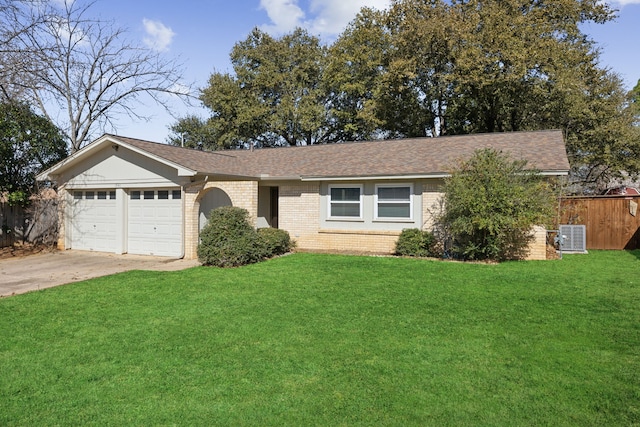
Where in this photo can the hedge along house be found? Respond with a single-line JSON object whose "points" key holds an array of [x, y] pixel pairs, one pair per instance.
{"points": [[125, 195]]}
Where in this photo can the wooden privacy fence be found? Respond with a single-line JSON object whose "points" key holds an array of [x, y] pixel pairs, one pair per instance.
{"points": [[611, 222], [37, 223]]}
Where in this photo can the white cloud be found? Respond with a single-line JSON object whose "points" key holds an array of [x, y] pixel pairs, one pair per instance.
{"points": [[285, 15], [181, 89], [332, 16], [63, 3], [159, 36], [324, 17]]}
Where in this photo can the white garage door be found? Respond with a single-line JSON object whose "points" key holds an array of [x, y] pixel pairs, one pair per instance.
{"points": [[155, 222], [93, 220]]}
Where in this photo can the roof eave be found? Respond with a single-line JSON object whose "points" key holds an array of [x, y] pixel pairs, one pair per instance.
{"points": [[554, 173], [436, 175]]}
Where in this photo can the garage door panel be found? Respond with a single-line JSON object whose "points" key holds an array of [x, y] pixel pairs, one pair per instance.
{"points": [[93, 222], [155, 224]]}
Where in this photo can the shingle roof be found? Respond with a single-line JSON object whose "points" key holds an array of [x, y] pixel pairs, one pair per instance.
{"points": [[543, 150]]}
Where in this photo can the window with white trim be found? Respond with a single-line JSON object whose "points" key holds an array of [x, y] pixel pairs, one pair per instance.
{"points": [[394, 201], [345, 201]]}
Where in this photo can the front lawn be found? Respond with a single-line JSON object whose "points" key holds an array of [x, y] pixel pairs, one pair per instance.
{"points": [[331, 340]]}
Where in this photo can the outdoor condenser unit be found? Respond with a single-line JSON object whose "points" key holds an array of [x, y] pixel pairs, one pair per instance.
{"points": [[573, 238]]}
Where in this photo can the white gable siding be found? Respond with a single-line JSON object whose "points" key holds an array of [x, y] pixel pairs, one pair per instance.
{"points": [[123, 168]]}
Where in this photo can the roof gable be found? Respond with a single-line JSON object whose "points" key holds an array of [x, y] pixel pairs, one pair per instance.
{"points": [[115, 142]]}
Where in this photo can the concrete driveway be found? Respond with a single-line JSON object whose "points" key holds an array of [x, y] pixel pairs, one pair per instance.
{"points": [[44, 270]]}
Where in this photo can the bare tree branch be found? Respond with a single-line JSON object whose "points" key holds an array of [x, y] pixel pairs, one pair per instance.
{"points": [[88, 72]]}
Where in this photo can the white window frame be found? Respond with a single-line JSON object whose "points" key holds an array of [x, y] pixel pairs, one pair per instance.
{"points": [[377, 202], [359, 202]]}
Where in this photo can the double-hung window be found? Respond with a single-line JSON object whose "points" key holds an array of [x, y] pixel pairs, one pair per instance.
{"points": [[394, 201], [345, 201]]}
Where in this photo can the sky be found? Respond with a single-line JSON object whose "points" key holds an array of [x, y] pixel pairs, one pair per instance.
{"points": [[201, 34]]}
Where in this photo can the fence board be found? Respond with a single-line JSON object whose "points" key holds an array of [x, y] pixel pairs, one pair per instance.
{"points": [[609, 221], [37, 223], [10, 218]]}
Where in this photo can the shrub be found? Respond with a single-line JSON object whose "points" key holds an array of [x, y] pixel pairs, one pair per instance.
{"points": [[229, 240], [491, 204], [274, 241], [415, 242]]}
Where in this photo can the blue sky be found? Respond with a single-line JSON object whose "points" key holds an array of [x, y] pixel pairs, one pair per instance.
{"points": [[202, 33]]}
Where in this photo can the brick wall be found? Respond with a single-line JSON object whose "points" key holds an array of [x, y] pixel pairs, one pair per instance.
{"points": [[63, 197], [243, 194], [538, 247], [299, 214]]}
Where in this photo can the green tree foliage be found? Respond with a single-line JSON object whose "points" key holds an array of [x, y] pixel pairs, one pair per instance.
{"points": [[353, 76], [491, 203], [275, 97], [487, 66], [29, 144], [634, 103], [431, 68], [193, 132]]}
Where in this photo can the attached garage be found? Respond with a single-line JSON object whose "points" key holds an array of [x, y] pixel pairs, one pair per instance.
{"points": [[95, 224], [155, 222], [118, 198]]}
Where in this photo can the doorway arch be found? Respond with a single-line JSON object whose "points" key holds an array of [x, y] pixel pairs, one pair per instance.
{"points": [[212, 199]]}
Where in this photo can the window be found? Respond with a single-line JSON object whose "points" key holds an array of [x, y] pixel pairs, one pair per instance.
{"points": [[176, 194], [112, 195], [394, 201], [77, 195], [149, 195], [135, 195], [345, 201], [102, 195], [163, 195], [88, 195]]}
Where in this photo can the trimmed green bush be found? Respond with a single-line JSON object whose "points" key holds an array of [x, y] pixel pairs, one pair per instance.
{"points": [[229, 239], [415, 242], [274, 241]]}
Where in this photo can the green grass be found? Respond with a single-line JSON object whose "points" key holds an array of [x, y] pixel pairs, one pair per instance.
{"points": [[331, 340]]}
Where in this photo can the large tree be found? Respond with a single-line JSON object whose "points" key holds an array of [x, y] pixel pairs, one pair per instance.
{"points": [[469, 66], [431, 68], [83, 72], [275, 95], [29, 143], [352, 78]]}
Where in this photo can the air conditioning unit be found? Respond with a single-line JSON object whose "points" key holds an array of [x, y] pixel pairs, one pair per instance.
{"points": [[573, 238]]}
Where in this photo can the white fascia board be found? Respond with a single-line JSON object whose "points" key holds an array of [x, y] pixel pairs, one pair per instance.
{"points": [[267, 177], [376, 177], [554, 173], [438, 175]]}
